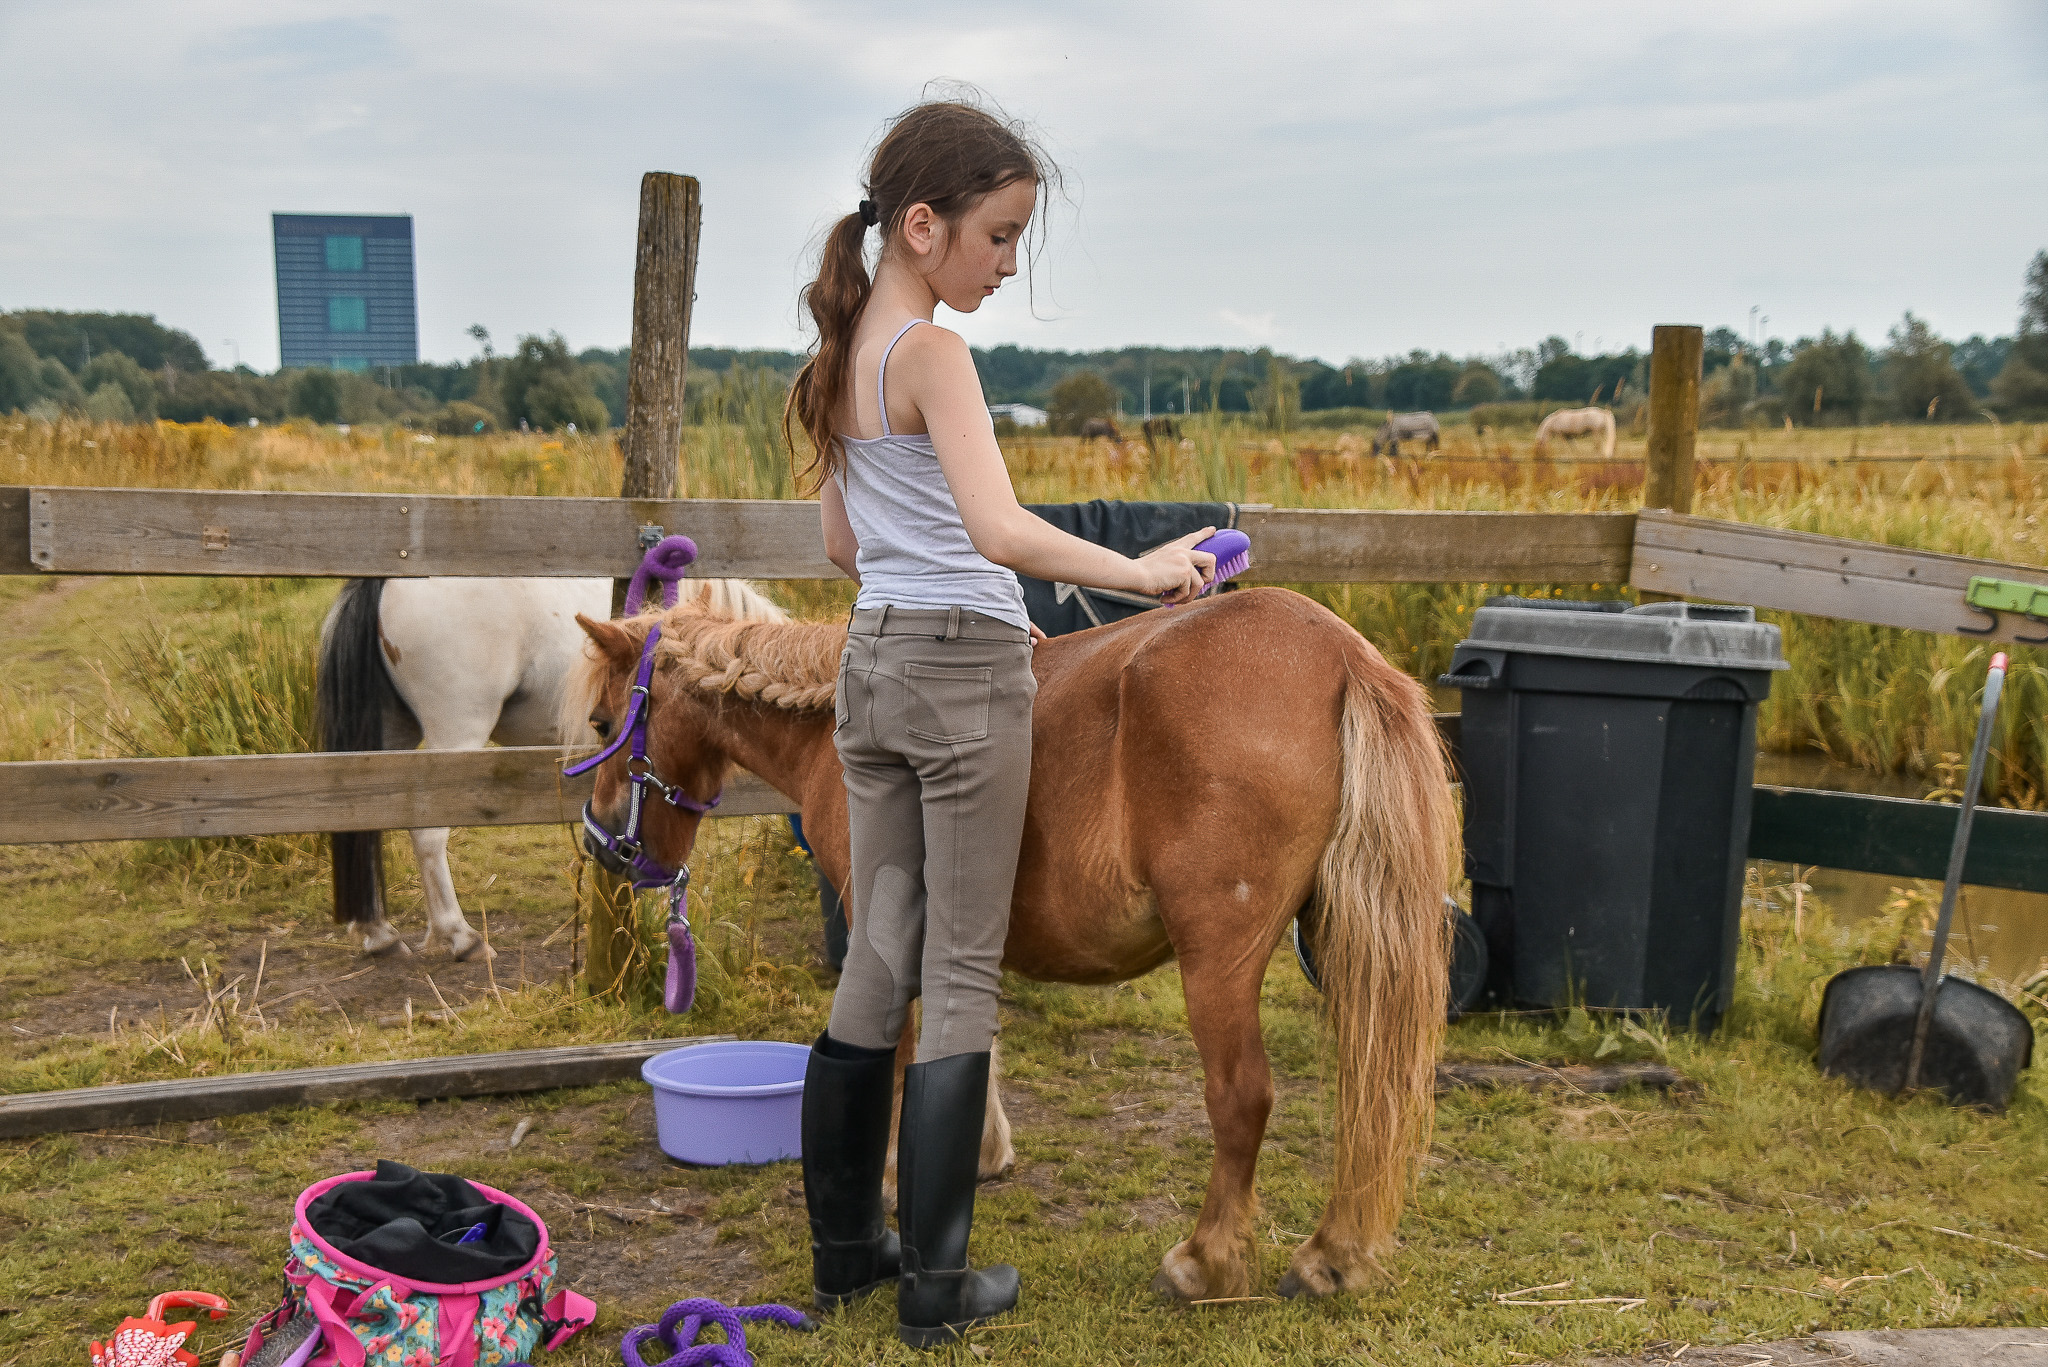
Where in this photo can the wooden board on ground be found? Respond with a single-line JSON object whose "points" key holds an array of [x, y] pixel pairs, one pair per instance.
{"points": [[1569, 1077], [204, 1098], [135, 799], [1897, 837], [202, 532], [1730, 562]]}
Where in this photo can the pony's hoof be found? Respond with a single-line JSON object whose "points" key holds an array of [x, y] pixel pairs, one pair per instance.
{"points": [[463, 948], [1314, 1275], [1163, 1284], [389, 944], [1182, 1277]]}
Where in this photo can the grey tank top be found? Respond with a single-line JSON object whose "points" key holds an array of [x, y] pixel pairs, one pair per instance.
{"points": [[914, 549]]}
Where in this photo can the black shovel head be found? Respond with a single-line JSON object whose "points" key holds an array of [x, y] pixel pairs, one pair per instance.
{"points": [[1977, 1042]]}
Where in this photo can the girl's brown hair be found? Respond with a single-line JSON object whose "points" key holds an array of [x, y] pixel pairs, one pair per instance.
{"points": [[947, 155]]}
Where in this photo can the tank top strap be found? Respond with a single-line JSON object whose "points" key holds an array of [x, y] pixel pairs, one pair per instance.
{"points": [[882, 374]]}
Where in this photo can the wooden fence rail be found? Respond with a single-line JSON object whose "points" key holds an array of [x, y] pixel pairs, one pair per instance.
{"points": [[239, 795], [48, 801], [66, 530]]}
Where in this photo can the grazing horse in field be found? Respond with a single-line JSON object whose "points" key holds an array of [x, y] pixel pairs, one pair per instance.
{"points": [[1202, 776], [1572, 423], [1100, 427], [453, 663], [1400, 427]]}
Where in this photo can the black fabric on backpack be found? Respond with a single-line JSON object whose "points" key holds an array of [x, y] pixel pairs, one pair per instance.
{"points": [[1128, 529], [406, 1222]]}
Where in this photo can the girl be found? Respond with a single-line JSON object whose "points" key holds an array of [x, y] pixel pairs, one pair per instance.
{"points": [[933, 724]]}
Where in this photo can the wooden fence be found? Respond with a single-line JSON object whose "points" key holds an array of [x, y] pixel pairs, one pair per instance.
{"points": [[92, 531]]}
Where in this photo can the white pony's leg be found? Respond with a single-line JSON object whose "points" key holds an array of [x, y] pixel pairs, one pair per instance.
{"points": [[445, 920]]}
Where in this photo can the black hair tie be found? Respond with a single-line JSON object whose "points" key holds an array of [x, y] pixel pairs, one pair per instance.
{"points": [[869, 214]]}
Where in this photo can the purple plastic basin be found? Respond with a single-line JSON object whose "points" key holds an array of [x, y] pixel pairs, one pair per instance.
{"points": [[736, 1101]]}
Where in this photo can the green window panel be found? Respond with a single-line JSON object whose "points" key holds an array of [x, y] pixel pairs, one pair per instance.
{"points": [[347, 313], [344, 253], [358, 364]]}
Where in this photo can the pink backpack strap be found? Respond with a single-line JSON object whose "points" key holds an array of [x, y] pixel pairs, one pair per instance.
{"points": [[568, 1312], [455, 1329], [348, 1351]]}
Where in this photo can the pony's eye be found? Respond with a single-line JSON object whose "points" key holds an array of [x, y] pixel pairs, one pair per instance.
{"points": [[603, 727]]}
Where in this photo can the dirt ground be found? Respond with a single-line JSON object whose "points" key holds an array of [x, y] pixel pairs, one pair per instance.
{"points": [[291, 963]]}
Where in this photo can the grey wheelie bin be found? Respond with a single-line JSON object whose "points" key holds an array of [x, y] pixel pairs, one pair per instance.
{"points": [[1608, 755]]}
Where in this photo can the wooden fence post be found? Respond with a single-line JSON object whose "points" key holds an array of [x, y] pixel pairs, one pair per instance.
{"points": [[1676, 354], [664, 284]]}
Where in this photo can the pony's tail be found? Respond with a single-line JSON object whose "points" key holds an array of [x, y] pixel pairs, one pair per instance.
{"points": [[1382, 943], [355, 697]]}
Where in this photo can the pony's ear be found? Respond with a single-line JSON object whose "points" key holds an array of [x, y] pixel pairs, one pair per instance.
{"points": [[612, 641]]}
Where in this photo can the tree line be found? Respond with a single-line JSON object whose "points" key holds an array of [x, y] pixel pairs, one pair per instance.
{"points": [[123, 367]]}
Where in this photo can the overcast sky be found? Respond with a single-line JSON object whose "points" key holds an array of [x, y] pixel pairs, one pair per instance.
{"points": [[1333, 180]]}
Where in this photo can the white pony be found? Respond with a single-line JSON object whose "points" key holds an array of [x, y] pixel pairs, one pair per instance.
{"points": [[1572, 423], [454, 664]]}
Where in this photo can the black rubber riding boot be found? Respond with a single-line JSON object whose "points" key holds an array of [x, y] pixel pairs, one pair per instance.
{"points": [[847, 1091], [939, 1297]]}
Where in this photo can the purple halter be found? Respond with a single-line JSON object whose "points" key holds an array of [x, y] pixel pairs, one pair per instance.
{"points": [[666, 562]]}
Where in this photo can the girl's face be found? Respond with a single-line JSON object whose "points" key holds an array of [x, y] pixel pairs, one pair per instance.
{"points": [[966, 262]]}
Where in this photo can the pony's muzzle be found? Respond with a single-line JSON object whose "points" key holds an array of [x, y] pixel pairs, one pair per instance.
{"points": [[612, 861]]}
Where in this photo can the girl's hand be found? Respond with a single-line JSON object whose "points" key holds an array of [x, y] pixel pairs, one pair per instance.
{"points": [[1036, 634], [1177, 571]]}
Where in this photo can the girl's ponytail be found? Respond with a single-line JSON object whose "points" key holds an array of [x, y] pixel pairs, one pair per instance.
{"points": [[947, 155], [835, 300]]}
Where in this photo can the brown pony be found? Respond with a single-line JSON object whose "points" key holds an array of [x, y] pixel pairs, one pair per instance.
{"points": [[1204, 773]]}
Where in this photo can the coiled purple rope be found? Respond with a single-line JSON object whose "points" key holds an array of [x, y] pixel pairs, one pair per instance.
{"points": [[666, 561], [684, 1320]]}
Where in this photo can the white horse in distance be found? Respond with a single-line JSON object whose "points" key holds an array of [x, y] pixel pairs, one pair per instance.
{"points": [[453, 664], [1400, 427], [1573, 423]]}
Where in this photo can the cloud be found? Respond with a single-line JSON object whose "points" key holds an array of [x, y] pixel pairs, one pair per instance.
{"points": [[1382, 177]]}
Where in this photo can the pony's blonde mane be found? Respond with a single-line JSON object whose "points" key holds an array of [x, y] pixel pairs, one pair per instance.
{"points": [[726, 639], [790, 665]]}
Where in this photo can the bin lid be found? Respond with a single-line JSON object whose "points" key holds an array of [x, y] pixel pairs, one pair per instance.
{"points": [[1656, 633]]}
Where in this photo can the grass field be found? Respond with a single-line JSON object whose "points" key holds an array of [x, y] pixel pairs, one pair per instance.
{"points": [[1768, 1202]]}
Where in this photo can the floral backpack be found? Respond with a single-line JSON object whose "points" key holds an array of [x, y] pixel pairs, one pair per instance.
{"points": [[346, 1241]]}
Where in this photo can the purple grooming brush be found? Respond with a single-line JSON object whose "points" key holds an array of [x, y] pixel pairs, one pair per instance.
{"points": [[1233, 552]]}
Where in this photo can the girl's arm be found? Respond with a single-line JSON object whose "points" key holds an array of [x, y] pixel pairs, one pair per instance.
{"points": [[942, 382], [841, 546]]}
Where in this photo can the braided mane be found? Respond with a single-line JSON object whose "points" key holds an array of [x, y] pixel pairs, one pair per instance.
{"points": [[791, 665]]}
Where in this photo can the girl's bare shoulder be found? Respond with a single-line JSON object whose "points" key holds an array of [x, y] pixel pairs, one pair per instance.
{"points": [[934, 349]]}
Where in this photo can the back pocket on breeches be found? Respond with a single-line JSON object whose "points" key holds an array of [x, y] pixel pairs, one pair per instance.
{"points": [[949, 706]]}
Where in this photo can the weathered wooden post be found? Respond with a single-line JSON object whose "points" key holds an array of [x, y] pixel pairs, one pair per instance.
{"points": [[664, 284], [1676, 354]]}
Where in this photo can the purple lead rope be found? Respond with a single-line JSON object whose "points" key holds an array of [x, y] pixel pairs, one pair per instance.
{"points": [[678, 1330], [667, 561]]}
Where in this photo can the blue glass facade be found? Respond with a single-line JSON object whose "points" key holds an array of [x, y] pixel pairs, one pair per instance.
{"points": [[345, 290]]}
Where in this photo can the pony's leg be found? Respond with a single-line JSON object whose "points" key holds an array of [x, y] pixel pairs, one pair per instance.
{"points": [[997, 1155], [1223, 1014], [444, 913], [906, 1054]]}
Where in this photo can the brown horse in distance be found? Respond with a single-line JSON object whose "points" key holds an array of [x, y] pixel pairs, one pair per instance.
{"points": [[1203, 773]]}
